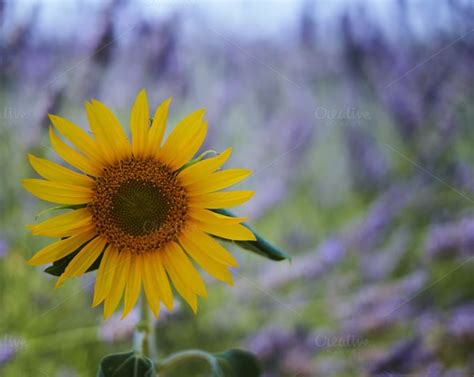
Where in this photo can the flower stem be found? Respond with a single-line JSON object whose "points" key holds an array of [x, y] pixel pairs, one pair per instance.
{"points": [[144, 335]]}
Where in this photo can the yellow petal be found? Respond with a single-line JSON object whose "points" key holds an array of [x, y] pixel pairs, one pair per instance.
{"points": [[111, 138], [134, 281], [237, 232], [56, 192], [180, 285], [180, 262], [105, 275], [208, 264], [84, 259], [114, 130], [60, 281], [157, 130], [150, 283], [77, 136], [55, 172], [215, 200], [218, 180], [207, 216], [186, 152], [73, 157], [60, 249], [212, 248], [184, 134], [164, 288], [64, 225], [120, 279], [139, 124], [195, 172]]}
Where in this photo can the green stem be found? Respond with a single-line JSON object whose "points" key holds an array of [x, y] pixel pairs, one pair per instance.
{"points": [[144, 335], [172, 361]]}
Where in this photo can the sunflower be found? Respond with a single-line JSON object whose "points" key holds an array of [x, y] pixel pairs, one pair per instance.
{"points": [[144, 208]]}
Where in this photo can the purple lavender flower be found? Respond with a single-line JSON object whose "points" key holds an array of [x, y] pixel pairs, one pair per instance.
{"points": [[461, 324], [3, 248]]}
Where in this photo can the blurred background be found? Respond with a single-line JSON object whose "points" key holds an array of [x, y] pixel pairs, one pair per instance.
{"points": [[357, 119]]}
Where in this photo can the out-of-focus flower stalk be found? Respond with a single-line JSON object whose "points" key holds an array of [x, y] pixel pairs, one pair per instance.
{"points": [[144, 335]]}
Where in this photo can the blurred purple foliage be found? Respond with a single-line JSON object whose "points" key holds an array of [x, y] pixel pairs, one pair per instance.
{"points": [[361, 144]]}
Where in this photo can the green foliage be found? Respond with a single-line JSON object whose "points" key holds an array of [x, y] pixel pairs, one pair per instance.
{"points": [[231, 363], [450, 282], [130, 364], [238, 363]]}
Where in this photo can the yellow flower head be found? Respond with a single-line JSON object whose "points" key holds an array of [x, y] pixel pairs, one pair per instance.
{"points": [[138, 206]]}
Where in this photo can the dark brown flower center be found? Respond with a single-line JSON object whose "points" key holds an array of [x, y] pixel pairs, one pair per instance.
{"points": [[139, 204]]}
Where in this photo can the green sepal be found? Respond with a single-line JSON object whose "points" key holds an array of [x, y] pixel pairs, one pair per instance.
{"points": [[48, 210], [260, 246], [130, 364], [58, 267]]}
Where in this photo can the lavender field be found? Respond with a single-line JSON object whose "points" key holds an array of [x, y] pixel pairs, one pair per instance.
{"points": [[357, 119]]}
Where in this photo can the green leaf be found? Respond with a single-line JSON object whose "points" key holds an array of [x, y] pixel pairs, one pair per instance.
{"points": [[130, 364], [237, 363], [232, 363], [58, 267], [260, 246]]}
